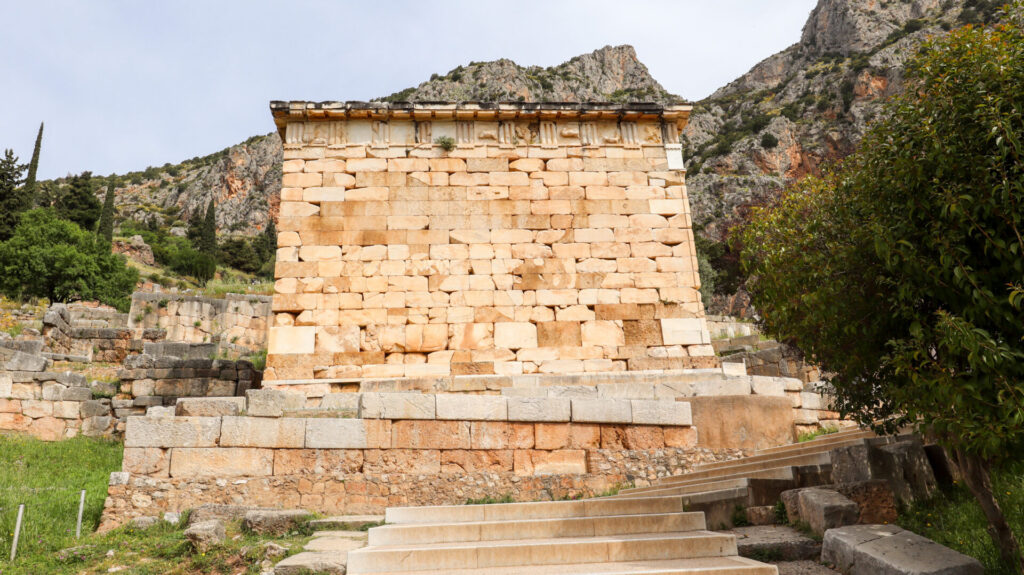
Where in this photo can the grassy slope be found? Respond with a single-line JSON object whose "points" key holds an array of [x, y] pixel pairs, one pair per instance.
{"points": [[954, 519], [47, 477]]}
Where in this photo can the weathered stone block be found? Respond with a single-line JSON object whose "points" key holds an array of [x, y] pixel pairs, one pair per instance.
{"points": [[273, 402], [661, 412], [209, 407], [430, 435], [539, 409], [472, 407], [148, 461], [602, 410], [891, 550], [397, 406], [336, 433], [277, 433], [824, 509], [172, 431], [220, 462], [560, 462]]}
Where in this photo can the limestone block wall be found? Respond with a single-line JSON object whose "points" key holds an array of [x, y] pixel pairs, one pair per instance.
{"points": [[359, 453], [549, 239], [50, 405], [158, 380], [235, 321]]}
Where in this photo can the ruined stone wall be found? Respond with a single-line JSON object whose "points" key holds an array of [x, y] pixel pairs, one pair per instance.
{"points": [[359, 453], [157, 380], [547, 240], [236, 321]]}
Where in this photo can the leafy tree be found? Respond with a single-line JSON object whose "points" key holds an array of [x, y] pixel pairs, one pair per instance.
{"points": [[33, 166], [105, 230], [13, 200], [240, 254], [195, 227], [266, 243], [54, 258], [208, 236], [903, 272], [78, 203]]}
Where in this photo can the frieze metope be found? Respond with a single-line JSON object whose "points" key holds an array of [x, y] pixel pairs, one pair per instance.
{"points": [[506, 134]]}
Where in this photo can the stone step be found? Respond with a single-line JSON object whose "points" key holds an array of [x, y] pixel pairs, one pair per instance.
{"points": [[762, 491], [832, 438], [740, 467], [795, 452], [533, 552], [313, 563], [778, 473], [539, 510], [702, 566], [424, 533]]}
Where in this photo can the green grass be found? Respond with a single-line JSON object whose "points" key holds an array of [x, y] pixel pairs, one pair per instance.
{"points": [[219, 288], [816, 433], [489, 500], [953, 518], [47, 478]]}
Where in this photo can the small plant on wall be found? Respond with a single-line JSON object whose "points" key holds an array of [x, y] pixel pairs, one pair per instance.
{"points": [[447, 143]]}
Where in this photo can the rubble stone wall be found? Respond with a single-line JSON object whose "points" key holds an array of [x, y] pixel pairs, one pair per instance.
{"points": [[153, 380], [547, 239], [235, 321], [403, 449], [52, 405]]}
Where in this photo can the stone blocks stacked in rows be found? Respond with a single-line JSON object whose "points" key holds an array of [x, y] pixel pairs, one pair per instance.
{"points": [[234, 321], [549, 239], [162, 379]]}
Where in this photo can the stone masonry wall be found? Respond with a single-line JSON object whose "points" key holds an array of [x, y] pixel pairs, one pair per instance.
{"points": [[51, 405], [549, 239], [403, 449], [236, 321]]}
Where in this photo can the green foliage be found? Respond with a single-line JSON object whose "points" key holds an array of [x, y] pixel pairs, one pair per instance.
{"points": [[13, 199], [809, 435], [259, 360], [208, 233], [739, 516], [33, 166], [447, 143], [781, 516], [105, 229], [78, 203], [769, 141], [952, 518], [899, 272], [490, 500], [53, 258]]}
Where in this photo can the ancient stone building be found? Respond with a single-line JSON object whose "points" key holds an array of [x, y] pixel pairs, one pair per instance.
{"points": [[450, 239]]}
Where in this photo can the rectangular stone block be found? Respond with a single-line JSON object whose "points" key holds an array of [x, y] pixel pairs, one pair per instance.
{"points": [[209, 406], [172, 431], [402, 461], [661, 412], [147, 461], [282, 432], [397, 406], [336, 433], [317, 461], [602, 410], [472, 407], [539, 409], [221, 462], [684, 331], [561, 462], [430, 435]]}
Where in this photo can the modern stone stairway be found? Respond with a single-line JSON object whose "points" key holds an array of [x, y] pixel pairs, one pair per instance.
{"points": [[718, 489], [597, 536]]}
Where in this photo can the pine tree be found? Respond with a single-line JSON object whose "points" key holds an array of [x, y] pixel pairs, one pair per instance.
{"points": [[12, 197], [266, 244], [208, 239], [30, 180], [105, 230], [79, 204]]}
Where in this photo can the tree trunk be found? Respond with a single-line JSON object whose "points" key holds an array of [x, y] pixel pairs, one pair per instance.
{"points": [[976, 475]]}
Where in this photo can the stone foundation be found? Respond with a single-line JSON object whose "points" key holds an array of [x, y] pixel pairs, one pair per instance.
{"points": [[237, 321], [161, 379]]}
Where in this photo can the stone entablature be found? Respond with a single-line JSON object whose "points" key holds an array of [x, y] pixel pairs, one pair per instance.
{"points": [[551, 238]]}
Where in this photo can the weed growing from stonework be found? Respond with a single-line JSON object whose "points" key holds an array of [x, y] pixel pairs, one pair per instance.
{"points": [[447, 143], [489, 500], [809, 435], [739, 516]]}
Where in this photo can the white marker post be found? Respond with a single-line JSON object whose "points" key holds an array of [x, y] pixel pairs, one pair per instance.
{"points": [[17, 532], [81, 509]]}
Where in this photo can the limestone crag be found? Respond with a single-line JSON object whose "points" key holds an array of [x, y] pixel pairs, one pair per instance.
{"points": [[806, 105], [613, 73]]}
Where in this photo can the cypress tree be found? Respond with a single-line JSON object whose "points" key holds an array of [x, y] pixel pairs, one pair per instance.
{"points": [[266, 245], [12, 197], [79, 204], [208, 239], [30, 180], [105, 230]]}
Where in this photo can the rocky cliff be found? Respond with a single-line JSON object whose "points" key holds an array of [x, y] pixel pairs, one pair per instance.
{"points": [[795, 110], [808, 104]]}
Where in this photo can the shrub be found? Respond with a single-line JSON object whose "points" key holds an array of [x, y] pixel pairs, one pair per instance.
{"points": [[769, 141], [447, 143], [53, 258]]}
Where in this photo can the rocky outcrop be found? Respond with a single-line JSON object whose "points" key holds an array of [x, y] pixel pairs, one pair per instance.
{"points": [[613, 73], [807, 105]]}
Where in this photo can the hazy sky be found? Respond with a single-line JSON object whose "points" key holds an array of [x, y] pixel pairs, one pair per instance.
{"points": [[124, 84]]}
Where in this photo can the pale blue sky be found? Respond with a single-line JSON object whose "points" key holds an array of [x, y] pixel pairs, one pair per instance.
{"points": [[124, 84]]}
